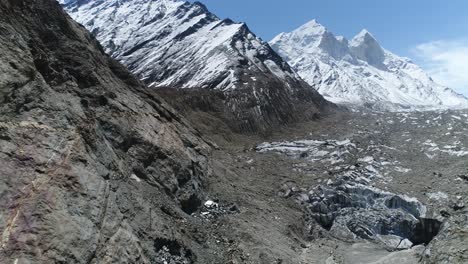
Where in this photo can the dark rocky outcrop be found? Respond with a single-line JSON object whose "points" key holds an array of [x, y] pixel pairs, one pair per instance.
{"points": [[91, 160], [356, 211], [451, 245], [351, 211]]}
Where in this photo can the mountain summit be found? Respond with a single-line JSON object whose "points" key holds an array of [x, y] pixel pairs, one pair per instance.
{"points": [[173, 43], [361, 72], [366, 48]]}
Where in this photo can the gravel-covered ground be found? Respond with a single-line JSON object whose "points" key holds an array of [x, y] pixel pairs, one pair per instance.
{"points": [[389, 183], [96, 168]]}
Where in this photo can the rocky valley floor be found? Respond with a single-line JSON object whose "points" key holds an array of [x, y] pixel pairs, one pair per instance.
{"points": [[360, 187], [95, 168]]}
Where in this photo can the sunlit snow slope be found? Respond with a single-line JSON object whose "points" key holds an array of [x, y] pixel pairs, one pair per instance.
{"points": [[173, 43], [176, 43], [361, 72]]}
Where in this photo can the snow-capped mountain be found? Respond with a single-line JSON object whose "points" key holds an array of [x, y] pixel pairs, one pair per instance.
{"points": [[173, 43], [361, 72]]}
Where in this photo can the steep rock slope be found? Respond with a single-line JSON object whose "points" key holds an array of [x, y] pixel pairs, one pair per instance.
{"points": [[360, 71], [95, 168], [172, 43]]}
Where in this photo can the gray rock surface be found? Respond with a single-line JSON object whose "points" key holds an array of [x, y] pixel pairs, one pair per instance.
{"points": [[352, 211], [354, 179], [95, 168], [451, 246]]}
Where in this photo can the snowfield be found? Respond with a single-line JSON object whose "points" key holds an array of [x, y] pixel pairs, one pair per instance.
{"points": [[361, 72], [173, 43]]}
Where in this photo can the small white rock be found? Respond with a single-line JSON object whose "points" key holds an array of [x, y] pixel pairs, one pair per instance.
{"points": [[210, 204], [134, 177], [405, 244]]}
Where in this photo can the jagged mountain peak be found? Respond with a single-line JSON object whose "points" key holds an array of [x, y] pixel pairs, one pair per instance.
{"points": [[178, 44], [129, 32], [365, 47], [362, 72], [309, 34], [312, 27], [310, 38], [200, 4], [363, 36], [299, 34]]}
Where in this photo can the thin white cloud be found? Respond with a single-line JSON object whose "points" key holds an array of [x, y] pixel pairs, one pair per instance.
{"points": [[446, 61]]}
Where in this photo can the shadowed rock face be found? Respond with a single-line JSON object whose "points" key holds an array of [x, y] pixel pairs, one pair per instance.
{"points": [[354, 210], [94, 167], [451, 243]]}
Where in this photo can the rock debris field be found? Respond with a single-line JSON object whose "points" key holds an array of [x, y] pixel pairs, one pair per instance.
{"points": [[371, 187]]}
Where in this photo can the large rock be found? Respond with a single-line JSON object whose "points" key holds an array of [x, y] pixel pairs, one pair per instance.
{"points": [[451, 245], [94, 168], [351, 211]]}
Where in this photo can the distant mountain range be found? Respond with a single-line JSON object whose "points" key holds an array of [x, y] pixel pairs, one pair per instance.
{"points": [[361, 72], [177, 44], [172, 43]]}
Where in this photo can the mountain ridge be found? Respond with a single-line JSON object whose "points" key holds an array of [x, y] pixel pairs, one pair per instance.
{"points": [[361, 72], [171, 43]]}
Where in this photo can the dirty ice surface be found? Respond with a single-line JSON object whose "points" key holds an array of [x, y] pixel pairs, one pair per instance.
{"points": [[380, 172]]}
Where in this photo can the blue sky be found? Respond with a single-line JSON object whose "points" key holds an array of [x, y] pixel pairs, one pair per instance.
{"points": [[434, 33]]}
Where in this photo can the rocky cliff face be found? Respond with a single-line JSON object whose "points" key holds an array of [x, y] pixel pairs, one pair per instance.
{"points": [[360, 72], [177, 44], [95, 168]]}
